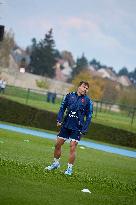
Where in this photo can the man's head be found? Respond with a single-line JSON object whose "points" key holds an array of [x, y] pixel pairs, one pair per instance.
{"points": [[83, 88]]}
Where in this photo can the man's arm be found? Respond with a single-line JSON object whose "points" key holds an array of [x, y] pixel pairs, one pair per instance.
{"points": [[89, 112], [62, 110]]}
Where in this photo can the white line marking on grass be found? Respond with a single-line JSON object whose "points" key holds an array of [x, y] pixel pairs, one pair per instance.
{"points": [[26, 141], [82, 147], [86, 190]]}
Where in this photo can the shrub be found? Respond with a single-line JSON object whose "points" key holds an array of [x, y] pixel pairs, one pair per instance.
{"points": [[42, 84]]}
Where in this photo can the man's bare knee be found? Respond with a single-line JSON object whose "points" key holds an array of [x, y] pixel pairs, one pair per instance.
{"points": [[59, 143]]}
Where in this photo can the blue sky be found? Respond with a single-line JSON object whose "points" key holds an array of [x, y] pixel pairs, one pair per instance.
{"points": [[101, 29]]}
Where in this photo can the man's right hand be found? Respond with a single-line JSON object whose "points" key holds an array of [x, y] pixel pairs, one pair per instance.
{"points": [[82, 133], [59, 124]]}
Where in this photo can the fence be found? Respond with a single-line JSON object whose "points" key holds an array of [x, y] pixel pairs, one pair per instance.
{"points": [[103, 111], [119, 109]]}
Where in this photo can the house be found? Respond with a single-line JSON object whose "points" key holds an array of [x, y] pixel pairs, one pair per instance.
{"points": [[107, 73], [91, 68], [67, 70], [63, 70], [58, 74], [124, 80], [20, 55]]}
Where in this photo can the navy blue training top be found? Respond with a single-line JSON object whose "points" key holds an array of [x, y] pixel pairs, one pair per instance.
{"points": [[79, 111]]}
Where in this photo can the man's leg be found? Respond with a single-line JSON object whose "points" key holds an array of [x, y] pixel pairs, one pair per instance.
{"points": [[72, 156], [57, 154], [57, 151]]}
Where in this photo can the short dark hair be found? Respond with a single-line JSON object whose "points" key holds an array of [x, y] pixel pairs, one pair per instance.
{"points": [[83, 82]]}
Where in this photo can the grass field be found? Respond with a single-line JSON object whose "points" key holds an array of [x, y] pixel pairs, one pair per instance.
{"points": [[110, 178]]}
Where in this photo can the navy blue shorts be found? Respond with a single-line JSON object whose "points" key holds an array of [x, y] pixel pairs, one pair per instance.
{"points": [[66, 133]]}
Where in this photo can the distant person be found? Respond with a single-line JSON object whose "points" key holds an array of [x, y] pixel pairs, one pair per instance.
{"points": [[0, 83], [78, 106], [3, 86], [53, 97], [49, 96]]}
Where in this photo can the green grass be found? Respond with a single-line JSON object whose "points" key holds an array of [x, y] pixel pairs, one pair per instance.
{"points": [[111, 178], [117, 120], [38, 104]]}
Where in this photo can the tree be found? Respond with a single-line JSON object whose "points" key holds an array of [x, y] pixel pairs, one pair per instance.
{"points": [[128, 96], [81, 64], [43, 56], [110, 92], [132, 76], [123, 71], [34, 53], [5, 48], [96, 64]]}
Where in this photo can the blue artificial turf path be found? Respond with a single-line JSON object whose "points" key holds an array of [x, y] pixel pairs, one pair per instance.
{"points": [[88, 144]]}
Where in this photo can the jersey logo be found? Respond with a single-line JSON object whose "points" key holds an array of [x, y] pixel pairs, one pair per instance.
{"points": [[83, 100]]}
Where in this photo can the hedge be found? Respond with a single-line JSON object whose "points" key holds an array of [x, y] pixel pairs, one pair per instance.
{"points": [[18, 113]]}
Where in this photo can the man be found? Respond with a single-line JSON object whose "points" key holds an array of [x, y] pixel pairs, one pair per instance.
{"points": [[1, 81], [78, 106], [2, 86]]}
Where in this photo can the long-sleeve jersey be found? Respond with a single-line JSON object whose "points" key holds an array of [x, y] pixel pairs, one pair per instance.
{"points": [[79, 111]]}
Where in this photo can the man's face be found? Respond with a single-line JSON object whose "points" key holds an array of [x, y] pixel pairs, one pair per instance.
{"points": [[82, 89]]}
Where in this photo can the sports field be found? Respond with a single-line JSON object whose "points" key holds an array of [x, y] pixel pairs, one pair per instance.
{"points": [[110, 178]]}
